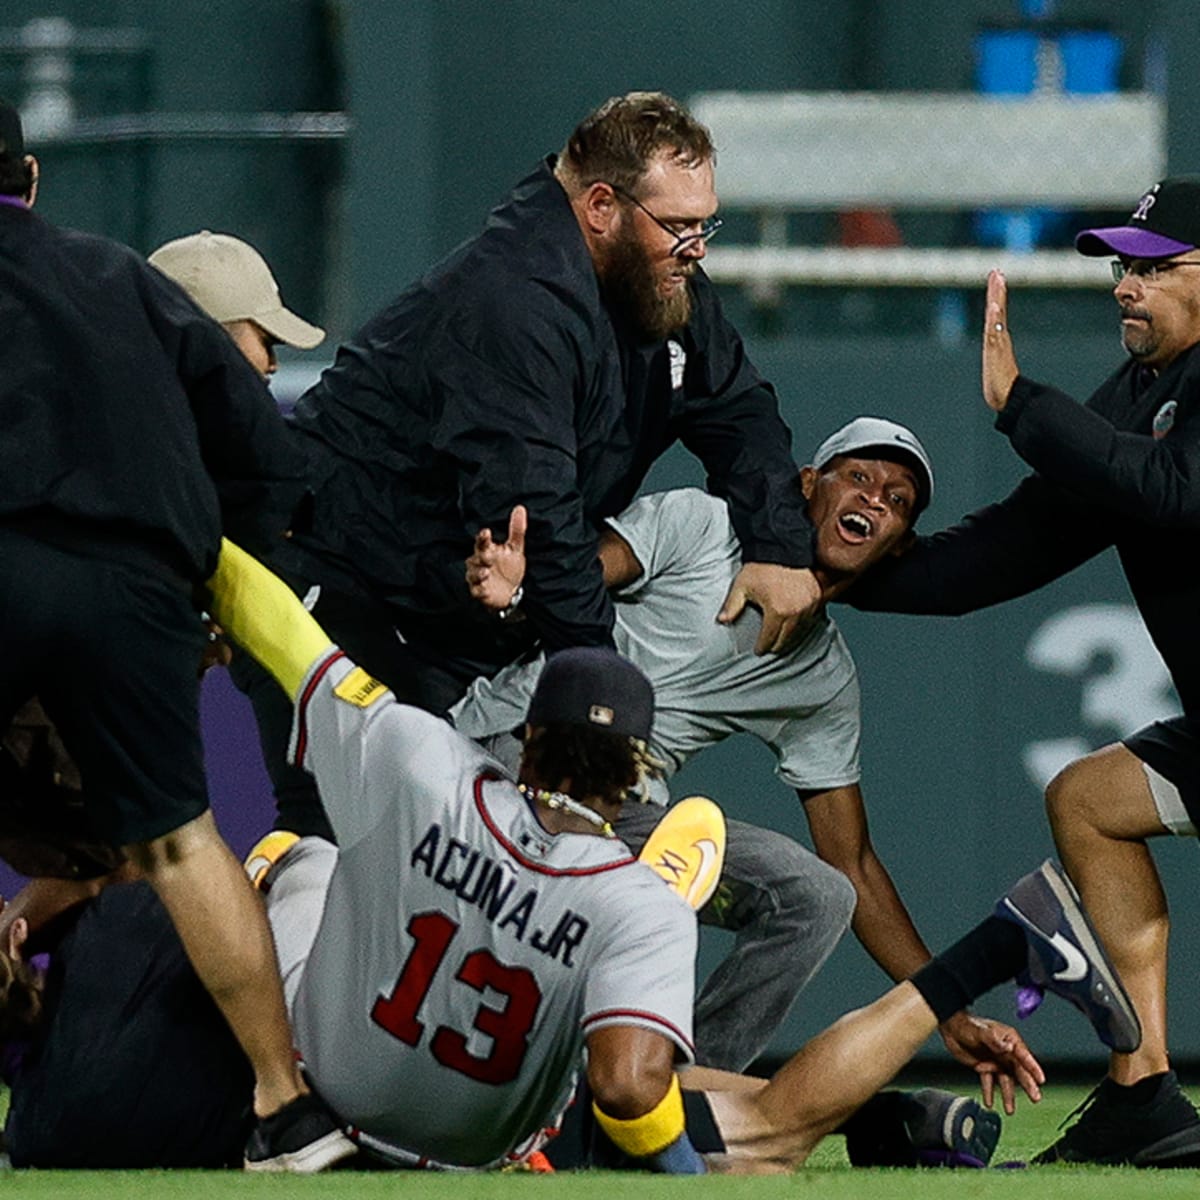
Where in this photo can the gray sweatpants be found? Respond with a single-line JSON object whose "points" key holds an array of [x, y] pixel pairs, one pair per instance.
{"points": [[788, 909]]}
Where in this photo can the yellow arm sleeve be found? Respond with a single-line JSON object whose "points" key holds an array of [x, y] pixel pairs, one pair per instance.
{"points": [[650, 1133], [264, 616]]}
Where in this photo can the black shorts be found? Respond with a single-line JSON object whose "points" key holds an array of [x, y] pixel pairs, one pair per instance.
{"points": [[1172, 748], [113, 652]]}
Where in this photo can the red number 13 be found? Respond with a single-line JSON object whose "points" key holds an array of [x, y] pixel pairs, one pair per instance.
{"points": [[508, 1027]]}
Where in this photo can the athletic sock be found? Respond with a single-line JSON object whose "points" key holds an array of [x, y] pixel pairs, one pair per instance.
{"points": [[995, 950], [1142, 1092]]}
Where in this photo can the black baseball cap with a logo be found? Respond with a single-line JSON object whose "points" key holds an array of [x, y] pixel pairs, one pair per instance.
{"points": [[1165, 222], [595, 688], [12, 141]]}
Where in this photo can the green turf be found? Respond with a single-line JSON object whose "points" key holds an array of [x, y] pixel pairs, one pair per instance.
{"points": [[827, 1177]]}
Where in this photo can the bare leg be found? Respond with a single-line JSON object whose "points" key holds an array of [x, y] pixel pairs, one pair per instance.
{"points": [[1101, 811], [774, 1128], [223, 926], [713, 1079]]}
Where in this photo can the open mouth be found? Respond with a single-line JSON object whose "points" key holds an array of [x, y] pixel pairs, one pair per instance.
{"points": [[855, 526]]}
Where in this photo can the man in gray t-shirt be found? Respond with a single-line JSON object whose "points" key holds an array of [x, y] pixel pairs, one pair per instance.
{"points": [[669, 559], [708, 682]]}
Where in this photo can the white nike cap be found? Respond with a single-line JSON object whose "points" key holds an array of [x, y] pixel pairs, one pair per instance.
{"points": [[231, 281], [876, 433]]}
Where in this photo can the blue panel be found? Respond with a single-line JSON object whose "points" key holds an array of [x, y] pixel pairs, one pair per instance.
{"points": [[1091, 60], [1006, 61]]}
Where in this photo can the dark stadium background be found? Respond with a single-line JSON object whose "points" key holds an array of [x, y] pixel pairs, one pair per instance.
{"points": [[438, 106]]}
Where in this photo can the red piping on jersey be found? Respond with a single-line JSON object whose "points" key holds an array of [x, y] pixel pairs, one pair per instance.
{"points": [[302, 705], [610, 1014], [494, 829]]}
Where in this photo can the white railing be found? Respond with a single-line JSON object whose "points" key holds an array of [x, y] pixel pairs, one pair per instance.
{"points": [[789, 152]]}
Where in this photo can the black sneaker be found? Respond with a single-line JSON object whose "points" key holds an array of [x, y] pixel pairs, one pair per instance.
{"points": [[302, 1137], [927, 1128], [1164, 1132], [948, 1130], [1066, 958]]}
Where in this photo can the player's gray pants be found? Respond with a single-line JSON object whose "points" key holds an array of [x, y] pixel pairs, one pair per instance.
{"points": [[295, 901], [788, 909]]}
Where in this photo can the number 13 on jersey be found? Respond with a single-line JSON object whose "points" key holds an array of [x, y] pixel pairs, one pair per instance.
{"points": [[508, 1027]]}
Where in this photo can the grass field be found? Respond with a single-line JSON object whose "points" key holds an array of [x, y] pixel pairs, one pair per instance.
{"points": [[827, 1177]]}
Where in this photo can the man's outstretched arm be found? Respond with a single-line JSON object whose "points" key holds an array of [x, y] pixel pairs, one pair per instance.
{"points": [[264, 616]]}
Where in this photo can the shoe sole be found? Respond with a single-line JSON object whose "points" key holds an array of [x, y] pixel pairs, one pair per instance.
{"points": [[967, 1126], [687, 849], [265, 853], [1125, 1032], [1180, 1149], [308, 1160]]}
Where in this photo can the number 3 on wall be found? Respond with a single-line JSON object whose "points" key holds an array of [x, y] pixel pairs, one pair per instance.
{"points": [[1134, 691], [508, 1027]]}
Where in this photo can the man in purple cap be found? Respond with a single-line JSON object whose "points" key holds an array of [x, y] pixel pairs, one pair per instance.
{"points": [[1121, 471]]}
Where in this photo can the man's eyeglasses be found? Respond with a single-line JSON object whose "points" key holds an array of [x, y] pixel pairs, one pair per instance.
{"points": [[677, 230], [1146, 270]]}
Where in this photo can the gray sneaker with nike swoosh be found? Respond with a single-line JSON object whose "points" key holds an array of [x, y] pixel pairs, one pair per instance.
{"points": [[1066, 958]]}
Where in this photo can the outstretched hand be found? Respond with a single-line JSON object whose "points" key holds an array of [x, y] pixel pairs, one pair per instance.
{"points": [[998, 1054], [495, 569], [786, 596], [999, 362]]}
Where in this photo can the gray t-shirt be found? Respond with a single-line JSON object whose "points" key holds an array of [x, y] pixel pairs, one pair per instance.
{"points": [[708, 682]]}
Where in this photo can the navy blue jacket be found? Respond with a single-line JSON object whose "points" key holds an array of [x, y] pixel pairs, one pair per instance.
{"points": [[1102, 478], [502, 377]]}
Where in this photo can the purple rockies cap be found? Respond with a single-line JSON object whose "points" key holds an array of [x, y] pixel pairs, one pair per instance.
{"points": [[1166, 221]]}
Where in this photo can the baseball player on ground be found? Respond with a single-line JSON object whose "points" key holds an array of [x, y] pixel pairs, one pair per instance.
{"points": [[668, 559], [476, 933]]}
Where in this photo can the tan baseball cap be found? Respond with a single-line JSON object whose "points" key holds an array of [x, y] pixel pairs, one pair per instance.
{"points": [[231, 281]]}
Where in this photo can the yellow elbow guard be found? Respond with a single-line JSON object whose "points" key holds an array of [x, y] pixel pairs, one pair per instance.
{"points": [[263, 615], [650, 1133]]}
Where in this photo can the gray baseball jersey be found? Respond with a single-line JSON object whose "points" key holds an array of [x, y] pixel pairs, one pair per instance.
{"points": [[708, 682], [464, 953]]}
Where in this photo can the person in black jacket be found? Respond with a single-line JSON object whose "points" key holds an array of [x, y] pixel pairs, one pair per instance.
{"points": [[1124, 471], [547, 362], [134, 433]]}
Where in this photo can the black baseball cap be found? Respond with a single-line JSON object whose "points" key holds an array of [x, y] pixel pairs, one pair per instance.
{"points": [[1165, 221], [595, 688], [12, 141]]}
